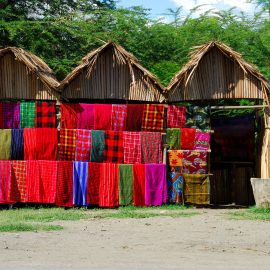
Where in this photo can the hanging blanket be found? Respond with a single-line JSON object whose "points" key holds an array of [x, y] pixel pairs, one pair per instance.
{"points": [[108, 188], [11, 111], [202, 141], [83, 145], [97, 151], [125, 184], [69, 116], [155, 184], [175, 187], [176, 116], [153, 117], [80, 179], [196, 189], [151, 147], [67, 144], [114, 150], [27, 114], [138, 184], [176, 158], [5, 181], [103, 116], [187, 138], [93, 183], [1, 115], [173, 138], [134, 117], [195, 162], [18, 181], [5, 144], [132, 147], [198, 117], [17, 149], [45, 114], [119, 117], [85, 116], [30, 143]]}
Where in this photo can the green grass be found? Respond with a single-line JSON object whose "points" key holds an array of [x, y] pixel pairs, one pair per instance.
{"points": [[252, 213], [25, 227]]}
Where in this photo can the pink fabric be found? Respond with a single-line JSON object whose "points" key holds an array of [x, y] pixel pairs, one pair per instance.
{"points": [[85, 116], [132, 147], [176, 116], [202, 141], [103, 116]]}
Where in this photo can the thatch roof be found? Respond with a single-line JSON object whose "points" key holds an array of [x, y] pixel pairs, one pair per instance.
{"points": [[34, 65], [185, 75], [88, 63]]}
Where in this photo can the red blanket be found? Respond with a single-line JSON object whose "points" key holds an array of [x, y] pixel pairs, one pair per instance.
{"points": [[67, 144], [30, 142], [5, 180], [103, 116], [69, 116], [153, 117], [93, 183], [45, 114], [187, 138], [139, 184], [134, 117], [114, 149]]}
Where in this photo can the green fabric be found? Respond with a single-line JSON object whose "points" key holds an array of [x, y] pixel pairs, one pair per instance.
{"points": [[27, 114], [98, 146], [198, 117], [173, 138], [125, 184], [5, 144]]}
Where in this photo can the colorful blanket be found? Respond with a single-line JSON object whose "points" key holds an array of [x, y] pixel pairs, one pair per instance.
{"points": [[11, 111], [132, 147], [83, 145], [176, 117], [134, 117], [69, 116], [175, 187], [27, 114], [45, 114], [30, 143], [153, 117], [114, 150], [173, 138], [97, 151], [1, 115], [125, 184], [138, 184], [5, 144], [119, 117], [93, 183], [17, 149], [5, 181], [202, 141], [103, 116], [198, 117], [187, 138], [67, 144], [176, 158], [195, 162], [85, 116]]}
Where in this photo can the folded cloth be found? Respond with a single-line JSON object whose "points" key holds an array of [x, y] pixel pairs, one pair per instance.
{"points": [[64, 184], [195, 162], [119, 117], [114, 150], [18, 181], [1, 115], [108, 188], [85, 116], [103, 116], [202, 141], [132, 147], [197, 189], [41, 181], [151, 147], [125, 184], [83, 145], [97, 151], [155, 184], [134, 117], [175, 187], [187, 138], [176, 158], [27, 114], [69, 115], [17, 149], [153, 117], [45, 114], [173, 138], [11, 111], [5, 144], [93, 183], [30, 143], [5, 181], [67, 144], [176, 116], [138, 171], [198, 117], [80, 179]]}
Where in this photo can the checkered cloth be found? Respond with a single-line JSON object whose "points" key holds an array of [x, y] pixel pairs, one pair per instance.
{"points": [[153, 117], [114, 151], [132, 147], [119, 117], [18, 181], [151, 147], [5, 181], [176, 116], [11, 112], [83, 145], [67, 144], [69, 117], [27, 114], [1, 115], [45, 114]]}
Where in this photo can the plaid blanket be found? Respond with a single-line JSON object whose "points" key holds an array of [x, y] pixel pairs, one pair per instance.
{"points": [[85, 116], [11, 111], [97, 151], [27, 114], [195, 162], [138, 184], [5, 144], [67, 144], [93, 183], [1, 115], [173, 138], [176, 116], [119, 117], [198, 117], [103, 116], [202, 141], [132, 147], [187, 138], [151, 147], [114, 151], [176, 158], [153, 117], [175, 187], [17, 151], [83, 145], [45, 114], [5, 181], [69, 116], [125, 184], [134, 117], [30, 143]]}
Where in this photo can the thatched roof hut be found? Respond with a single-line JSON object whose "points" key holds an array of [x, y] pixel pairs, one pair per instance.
{"points": [[23, 75], [215, 71], [110, 72]]}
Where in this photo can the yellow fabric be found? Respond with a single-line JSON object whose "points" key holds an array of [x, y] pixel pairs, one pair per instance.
{"points": [[5, 144], [176, 158]]}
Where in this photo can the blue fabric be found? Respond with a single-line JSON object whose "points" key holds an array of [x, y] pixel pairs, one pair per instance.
{"points": [[80, 176], [17, 144]]}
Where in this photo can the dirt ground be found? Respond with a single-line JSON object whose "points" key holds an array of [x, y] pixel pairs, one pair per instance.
{"points": [[209, 240]]}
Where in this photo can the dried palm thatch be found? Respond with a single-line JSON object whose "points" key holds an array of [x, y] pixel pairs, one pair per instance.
{"points": [[215, 71], [24, 75], [110, 72]]}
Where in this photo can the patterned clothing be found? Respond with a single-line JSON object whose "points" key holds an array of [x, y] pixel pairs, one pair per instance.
{"points": [[17, 149], [175, 187], [114, 151], [198, 117], [187, 138], [153, 117], [5, 144], [69, 117], [176, 116], [176, 158], [11, 111], [5, 181], [83, 145], [67, 144], [45, 114], [173, 138], [1, 115], [132, 147], [27, 114], [202, 141], [97, 151], [195, 162], [151, 147], [119, 117]]}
